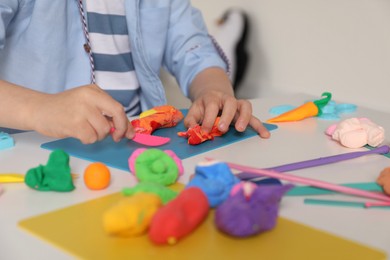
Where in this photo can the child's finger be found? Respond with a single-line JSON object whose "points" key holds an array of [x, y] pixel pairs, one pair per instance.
{"points": [[192, 118], [85, 132], [210, 114], [130, 131], [244, 115], [100, 124], [228, 112], [114, 113], [258, 126]]}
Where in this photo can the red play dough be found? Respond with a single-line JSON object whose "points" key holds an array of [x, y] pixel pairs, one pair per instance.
{"points": [[179, 217]]}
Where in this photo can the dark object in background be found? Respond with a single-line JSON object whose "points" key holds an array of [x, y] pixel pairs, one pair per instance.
{"points": [[232, 35]]}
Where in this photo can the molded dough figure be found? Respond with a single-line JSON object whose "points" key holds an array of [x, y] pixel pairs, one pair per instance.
{"points": [[155, 165], [157, 117], [357, 132], [250, 210], [196, 135], [131, 216], [215, 179], [179, 217]]}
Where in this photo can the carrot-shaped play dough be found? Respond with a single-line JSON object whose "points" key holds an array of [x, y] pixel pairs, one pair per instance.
{"points": [[309, 109], [179, 217]]}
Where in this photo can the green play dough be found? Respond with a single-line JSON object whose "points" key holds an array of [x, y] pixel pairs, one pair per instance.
{"points": [[160, 190], [54, 176], [156, 166]]}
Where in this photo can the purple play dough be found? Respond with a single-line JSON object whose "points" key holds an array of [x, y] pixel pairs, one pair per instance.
{"points": [[241, 217]]}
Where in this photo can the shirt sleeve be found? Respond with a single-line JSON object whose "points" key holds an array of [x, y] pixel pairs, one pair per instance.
{"points": [[189, 48], [8, 10]]}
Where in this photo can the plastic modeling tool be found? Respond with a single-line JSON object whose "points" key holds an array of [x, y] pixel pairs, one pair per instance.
{"points": [[330, 159], [18, 177], [380, 205], [311, 182], [150, 140], [309, 109], [6, 141], [377, 204], [309, 190], [385, 149]]}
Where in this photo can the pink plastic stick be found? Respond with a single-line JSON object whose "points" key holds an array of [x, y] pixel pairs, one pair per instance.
{"points": [[312, 182], [376, 204]]}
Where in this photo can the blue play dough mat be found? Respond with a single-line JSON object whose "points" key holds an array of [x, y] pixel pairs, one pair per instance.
{"points": [[116, 154]]}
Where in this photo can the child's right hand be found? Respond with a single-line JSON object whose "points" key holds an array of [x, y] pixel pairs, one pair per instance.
{"points": [[86, 113]]}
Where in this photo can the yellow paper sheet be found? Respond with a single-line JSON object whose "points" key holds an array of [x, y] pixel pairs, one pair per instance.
{"points": [[78, 231]]}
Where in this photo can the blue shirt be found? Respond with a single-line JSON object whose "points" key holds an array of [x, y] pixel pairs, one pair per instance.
{"points": [[41, 45], [111, 52]]}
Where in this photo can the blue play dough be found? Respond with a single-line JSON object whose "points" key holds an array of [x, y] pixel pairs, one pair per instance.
{"points": [[216, 180], [346, 108], [332, 110], [278, 110]]}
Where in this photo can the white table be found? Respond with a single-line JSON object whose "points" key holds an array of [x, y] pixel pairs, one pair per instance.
{"points": [[292, 142]]}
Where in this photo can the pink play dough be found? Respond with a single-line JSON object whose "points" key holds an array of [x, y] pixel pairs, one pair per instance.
{"points": [[356, 132], [171, 153]]}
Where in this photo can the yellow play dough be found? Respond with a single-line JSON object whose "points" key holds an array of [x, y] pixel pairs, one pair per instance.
{"points": [[131, 216]]}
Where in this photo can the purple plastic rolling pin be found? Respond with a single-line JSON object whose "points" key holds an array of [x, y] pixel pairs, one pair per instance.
{"points": [[317, 162]]}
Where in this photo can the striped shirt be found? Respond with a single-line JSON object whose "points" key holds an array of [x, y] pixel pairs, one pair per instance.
{"points": [[111, 52]]}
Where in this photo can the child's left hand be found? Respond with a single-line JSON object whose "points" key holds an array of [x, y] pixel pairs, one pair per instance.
{"points": [[212, 95], [207, 107]]}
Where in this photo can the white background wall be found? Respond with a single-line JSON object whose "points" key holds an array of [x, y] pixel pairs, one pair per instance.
{"points": [[312, 46]]}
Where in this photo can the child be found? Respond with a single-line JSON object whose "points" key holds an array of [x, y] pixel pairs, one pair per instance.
{"points": [[78, 68]]}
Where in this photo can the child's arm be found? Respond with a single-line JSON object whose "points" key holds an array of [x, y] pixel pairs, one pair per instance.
{"points": [[86, 112], [212, 93]]}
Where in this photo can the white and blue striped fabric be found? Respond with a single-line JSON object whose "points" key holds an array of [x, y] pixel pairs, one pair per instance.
{"points": [[111, 52]]}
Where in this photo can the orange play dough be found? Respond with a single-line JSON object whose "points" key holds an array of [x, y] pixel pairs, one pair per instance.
{"points": [[384, 180], [97, 176]]}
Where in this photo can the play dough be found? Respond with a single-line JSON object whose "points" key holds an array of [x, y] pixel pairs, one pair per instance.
{"points": [[171, 153], [384, 180], [157, 117], [54, 176], [250, 211], [195, 135], [179, 217], [131, 216], [156, 166], [97, 176], [309, 109], [357, 132], [165, 193], [215, 179]]}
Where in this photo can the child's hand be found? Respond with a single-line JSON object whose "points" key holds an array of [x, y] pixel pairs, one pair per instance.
{"points": [[86, 113], [206, 107]]}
